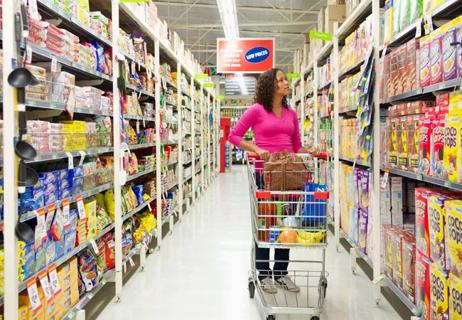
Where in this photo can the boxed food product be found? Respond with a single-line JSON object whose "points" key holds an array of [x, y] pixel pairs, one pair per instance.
{"points": [[449, 55], [396, 200], [403, 156], [389, 233], [455, 298], [436, 223], [459, 50], [422, 284], [424, 61], [421, 216], [408, 261], [454, 236], [439, 293], [425, 133], [452, 144], [436, 60], [437, 168], [396, 242], [413, 142]]}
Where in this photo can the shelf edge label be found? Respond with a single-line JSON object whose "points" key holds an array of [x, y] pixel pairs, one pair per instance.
{"points": [[320, 35]]}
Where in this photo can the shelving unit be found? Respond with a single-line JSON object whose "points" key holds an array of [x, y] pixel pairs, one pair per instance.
{"points": [[125, 18], [373, 256]]}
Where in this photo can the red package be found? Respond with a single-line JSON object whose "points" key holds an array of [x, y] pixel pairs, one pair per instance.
{"points": [[109, 250], [422, 284], [409, 258], [425, 133], [421, 217]]}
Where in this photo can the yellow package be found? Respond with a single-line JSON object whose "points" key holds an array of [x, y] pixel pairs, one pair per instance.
{"points": [[84, 11], [452, 144], [455, 298], [439, 293], [92, 220], [436, 218], [454, 236]]}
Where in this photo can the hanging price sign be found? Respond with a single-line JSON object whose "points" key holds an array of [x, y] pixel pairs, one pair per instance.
{"points": [[34, 298], [40, 229], [199, 76], [66, 212], [209, 85], [220, 97], [293, 75], [54, 281], [81, 208], [43, 277], [320, 35]]}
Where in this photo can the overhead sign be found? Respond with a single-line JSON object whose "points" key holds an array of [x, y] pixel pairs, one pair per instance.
{"points": [[240, 86], [247, 55], [320, 35]]}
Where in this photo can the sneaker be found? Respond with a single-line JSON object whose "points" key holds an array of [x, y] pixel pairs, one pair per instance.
{"points": [[286, 283], [268, 286]]}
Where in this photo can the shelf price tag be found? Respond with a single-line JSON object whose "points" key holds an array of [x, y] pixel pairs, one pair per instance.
{"points": [[28, 54], [43, 277], [54, 64], [82, 157], [66, 212], [34, 298], [384, 181], [94, 246], [209, 85], [200, 76], [70, 160], [54, 281], [418, 28], [40, 229], [81, 208], [447, 184]]}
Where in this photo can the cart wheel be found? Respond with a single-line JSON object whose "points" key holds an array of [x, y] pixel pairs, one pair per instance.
{"points": [[315, 318], [251, 290], [270, 317]]}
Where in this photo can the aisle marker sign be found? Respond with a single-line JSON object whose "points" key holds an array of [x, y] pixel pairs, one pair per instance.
{"points": [[251, 55], [209, 85], [293, 75], [320, 35]]}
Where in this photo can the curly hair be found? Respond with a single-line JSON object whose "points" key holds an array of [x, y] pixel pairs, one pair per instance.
{"points": [[266, 85]]}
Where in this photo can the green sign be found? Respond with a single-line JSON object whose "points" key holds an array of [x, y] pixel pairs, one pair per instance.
{"points": [[320, 35], [133, 1], [209, 85], [199, 76], [220, 97], [293, 75]]}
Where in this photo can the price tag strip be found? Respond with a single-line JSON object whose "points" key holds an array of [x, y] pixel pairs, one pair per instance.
{"points": [[54, 281], [66, 212], [81, 208], [34, 297], [43, 277]]}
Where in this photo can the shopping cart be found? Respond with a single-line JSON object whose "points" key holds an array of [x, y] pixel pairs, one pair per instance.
{"points": [[289, 219]]}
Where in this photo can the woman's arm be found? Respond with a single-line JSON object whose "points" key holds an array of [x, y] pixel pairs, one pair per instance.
{"points": [[236, 137], [296, 140]]}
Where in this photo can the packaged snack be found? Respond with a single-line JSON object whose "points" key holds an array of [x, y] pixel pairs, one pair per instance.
{"points": [[436, 223], [422, 284], [452, 144], [439, 299], [449, 55], [437, 168], [424, 61], [408, 259], [425, 132], [388, 248], [88, 270], [436, 60], [455, 298], [421, 216], [454, 236]]}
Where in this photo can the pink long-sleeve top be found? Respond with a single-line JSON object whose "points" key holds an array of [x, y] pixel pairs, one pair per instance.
{"points": [[272, 133]]}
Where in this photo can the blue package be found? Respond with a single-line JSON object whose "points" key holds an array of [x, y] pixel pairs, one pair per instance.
{"points": [[78, 171], [59, 248], [63, 174], [64, 184], [50, 251], [139, 192], [77, 185], [69, 241], [28, 267], [65, 193], [73, 217], [48, 177], [51, 198], [49, 188], [314, 211], [99, 50], [40, 256]]}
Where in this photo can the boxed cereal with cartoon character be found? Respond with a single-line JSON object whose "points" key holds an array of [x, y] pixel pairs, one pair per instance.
{"points": [[421, 217], [454, 236], [439, 294], [452, 144], [436, 224], [455, 298]]}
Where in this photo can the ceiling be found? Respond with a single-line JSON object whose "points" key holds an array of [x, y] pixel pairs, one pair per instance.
{"points": [[199, 25]]}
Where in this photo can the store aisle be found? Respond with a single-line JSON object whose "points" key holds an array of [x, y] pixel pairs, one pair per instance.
{"points": [[201, 270]]}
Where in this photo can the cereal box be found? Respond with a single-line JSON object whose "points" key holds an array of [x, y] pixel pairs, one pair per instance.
{"points": [[424, 61], [408, 259], [421, 216], [388, 248], [413, 142], [403, 156], [425, 132], [454, 236], [439, 293], [437, 168], [393, 153], [436, 223], [449, 55], [436, 60], [452, 144], [422, 284], [459, 50], [455, 298], [397, 259]]}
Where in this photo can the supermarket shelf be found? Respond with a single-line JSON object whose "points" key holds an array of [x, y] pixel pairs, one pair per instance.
{"points": [[170, 84], [355, 19], [404, 35], [170, 143], [140, 174], [349, 111], [32, 214], [171, 104], [427, 179], [353, 161], [325, 85], [418, 93], [45, 53], [139, 118], [188, 178], [89, 295], [351, 70], [42, 104], [63, 154], [170, 187], [308, 69], [449, 9], [141, 146], [134, 211], [143, 92], [131, 58], [77, 27], [172, 163], [324, 116], [63, 259], [187, 163], [397, 291], [325, 52]]}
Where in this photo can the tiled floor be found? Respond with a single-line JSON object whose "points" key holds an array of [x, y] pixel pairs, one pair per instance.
{"points": [[201, 270]]}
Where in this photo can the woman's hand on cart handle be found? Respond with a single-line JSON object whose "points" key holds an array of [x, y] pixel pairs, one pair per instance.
{"points": [[259, 154], [311, 150]]}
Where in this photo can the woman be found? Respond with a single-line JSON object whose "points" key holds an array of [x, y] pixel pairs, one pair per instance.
{"points": [[276, 129]]}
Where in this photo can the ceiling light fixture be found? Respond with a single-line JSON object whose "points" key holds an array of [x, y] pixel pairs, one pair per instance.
{"points": [[228, 15]]}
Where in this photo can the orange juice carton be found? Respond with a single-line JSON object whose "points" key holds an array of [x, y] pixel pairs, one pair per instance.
{"points": [[455, 298], [452, 144], [422, 284], [436, 224], [454, 236], [439, 293]]}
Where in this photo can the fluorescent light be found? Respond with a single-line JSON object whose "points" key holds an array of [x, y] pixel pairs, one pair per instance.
{"points": [[228, 15]]}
